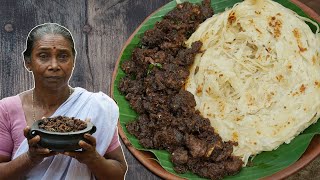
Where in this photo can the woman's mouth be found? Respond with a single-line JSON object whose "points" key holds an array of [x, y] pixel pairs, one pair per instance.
{"points": [[53, 78]]}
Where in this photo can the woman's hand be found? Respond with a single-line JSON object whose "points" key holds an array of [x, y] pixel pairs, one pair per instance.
{"points": [[111, 165], [88, 154], [36, 153]]}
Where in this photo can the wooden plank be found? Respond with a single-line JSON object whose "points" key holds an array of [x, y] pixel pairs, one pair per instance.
{"points": [[17, 19]]}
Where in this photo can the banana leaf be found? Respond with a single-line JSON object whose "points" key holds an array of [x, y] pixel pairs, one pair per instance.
{"points": [[264, 164]]}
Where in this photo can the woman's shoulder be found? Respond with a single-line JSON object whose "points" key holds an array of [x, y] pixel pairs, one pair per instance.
{"points": [[104, 99], [99, 98], [10, 101], [100, 102], [9, 106], [14, 100]]}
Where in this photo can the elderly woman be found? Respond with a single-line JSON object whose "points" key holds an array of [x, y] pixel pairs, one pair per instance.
{"points": [[50, 56]]}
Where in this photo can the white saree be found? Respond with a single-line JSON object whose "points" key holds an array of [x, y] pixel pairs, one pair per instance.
{"points": [[102, 111]]}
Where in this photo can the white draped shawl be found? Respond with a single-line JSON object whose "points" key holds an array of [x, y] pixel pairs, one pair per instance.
{"points": [[102, 111]]}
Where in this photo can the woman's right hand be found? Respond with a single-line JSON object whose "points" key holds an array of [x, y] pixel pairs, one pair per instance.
{"points": [[36, 153]]}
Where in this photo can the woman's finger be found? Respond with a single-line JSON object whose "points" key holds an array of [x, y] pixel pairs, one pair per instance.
{"points": [[91, 139], [26, 131], [42, 151], [86, 146], [34, 141]]}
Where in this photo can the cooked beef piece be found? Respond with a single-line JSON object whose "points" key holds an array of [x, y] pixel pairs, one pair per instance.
{"points": [[185, 57], [232, 165], [180, 168], [202, 125], [175, 76], [210, 170], [226, 152], [129, 67], [155, 103], [197, 147], [153, 85], [140, 128], [153, 37], [129, 85], [146, 142], [168, 138], [136, 102], [183, 104], [179, 156], [133, 128], [206, 9]]}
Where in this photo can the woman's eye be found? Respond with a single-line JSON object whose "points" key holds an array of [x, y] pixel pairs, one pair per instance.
{"points": [[63, 56], [43, 56]]}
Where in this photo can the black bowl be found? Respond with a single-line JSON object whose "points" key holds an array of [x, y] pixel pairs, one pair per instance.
{"points": [[60, 141]]}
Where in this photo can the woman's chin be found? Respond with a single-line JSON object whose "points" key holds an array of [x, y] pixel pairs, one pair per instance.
{"points": [[55, 85]]}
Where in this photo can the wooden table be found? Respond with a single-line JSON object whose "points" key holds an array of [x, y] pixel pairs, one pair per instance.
{"points": [[100, 29]]}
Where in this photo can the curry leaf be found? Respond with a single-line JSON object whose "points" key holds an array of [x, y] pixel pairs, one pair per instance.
{"points": [[150, 67]]}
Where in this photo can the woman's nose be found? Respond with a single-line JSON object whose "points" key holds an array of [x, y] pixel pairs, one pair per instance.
{"points": [[54, 65]]}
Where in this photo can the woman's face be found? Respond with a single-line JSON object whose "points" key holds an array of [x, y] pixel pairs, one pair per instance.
{"points": [[51, 61]]}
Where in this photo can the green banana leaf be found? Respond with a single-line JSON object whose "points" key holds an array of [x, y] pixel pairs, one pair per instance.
{"points": [[264, 164]]}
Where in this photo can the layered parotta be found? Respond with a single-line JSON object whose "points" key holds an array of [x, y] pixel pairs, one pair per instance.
{"points": [[258, 76]]}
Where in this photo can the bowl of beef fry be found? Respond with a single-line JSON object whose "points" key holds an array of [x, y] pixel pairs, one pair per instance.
{"points": [[61, 133]]}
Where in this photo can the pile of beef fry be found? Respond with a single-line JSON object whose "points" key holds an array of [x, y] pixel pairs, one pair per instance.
{"points": [[62, 124], [154, 86]]}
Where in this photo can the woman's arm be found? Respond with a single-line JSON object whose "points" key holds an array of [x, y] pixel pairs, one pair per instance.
{"points": [[15, 169], [112, 165], [19, 167]]}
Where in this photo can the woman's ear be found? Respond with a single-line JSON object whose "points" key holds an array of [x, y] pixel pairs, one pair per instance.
{"points": [[29, 69], [27, 63]]}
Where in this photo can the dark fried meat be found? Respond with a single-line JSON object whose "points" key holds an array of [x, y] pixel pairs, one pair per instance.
{"points": [[185, 57], [206, 9], [180, 156], [196, 146], [62, 124], [167, 138], [182, 104], [176, 27], [154, 87]]}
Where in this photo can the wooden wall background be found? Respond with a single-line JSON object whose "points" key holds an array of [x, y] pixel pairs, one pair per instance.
{"points": [[100, 29]]}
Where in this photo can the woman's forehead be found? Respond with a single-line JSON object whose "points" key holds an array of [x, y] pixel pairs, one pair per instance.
{"points": [[52, 41]]}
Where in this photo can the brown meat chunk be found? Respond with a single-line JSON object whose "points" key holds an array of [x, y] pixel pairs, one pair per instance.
{"points": [[196, 146]]}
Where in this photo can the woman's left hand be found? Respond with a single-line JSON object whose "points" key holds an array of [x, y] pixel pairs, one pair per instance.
{"points": [[88, 153]]}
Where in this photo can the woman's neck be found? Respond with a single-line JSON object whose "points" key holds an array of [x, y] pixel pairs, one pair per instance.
{"points": [[48, 99]]}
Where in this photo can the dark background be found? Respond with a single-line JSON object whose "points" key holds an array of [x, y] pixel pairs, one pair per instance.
{"points": [[100, 29]]}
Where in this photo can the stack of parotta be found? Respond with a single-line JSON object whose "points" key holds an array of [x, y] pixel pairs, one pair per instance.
{"points": [[258, 78]]}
